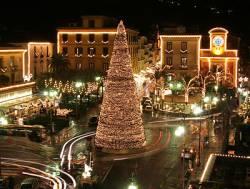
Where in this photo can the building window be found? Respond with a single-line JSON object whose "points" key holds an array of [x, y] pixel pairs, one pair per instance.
{"points": [[78, 51], [105, 51], [91, 38], [105, 38], [1, 62], [47, 52], [91, 51], [183, 62], [65, 51], [79, 66], [78, 38], [65, 38], [105, 66], [41, 54], [183, 46], [169, 46], [169, 62], [91, 65], [35, 52], [12, 59], [91, 23]]}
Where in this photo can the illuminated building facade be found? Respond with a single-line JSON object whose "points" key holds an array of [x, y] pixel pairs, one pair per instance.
{"points": [[89, 47], [13, 64], [182, 55], [219, 59], [39, 56]]}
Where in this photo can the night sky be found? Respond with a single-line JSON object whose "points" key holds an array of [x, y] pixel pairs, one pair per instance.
{"points": [[39, 19]]}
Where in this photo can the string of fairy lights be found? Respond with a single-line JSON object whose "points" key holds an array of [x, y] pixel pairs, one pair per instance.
{"points": [[120, 125], [69, 87]]}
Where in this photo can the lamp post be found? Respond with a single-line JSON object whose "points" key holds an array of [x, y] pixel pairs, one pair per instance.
{"points": [[132, 184], [97, 79], [52, 94], [78, 85], [197, 110]]}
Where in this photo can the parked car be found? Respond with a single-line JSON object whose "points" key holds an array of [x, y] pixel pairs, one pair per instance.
{"points": [[148, 108], [188, 153], [93, 121]]}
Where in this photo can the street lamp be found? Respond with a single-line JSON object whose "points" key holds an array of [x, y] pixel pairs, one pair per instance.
{"points": [[78, 85], [216, 87], [197, 110], [52, 94], [3, 121], [132, 184], [180, 131]]}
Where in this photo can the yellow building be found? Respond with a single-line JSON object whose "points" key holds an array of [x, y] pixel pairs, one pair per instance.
{"points": [[12, 63], [180, 54], [219, 59], [89, 47], [39, 56]]}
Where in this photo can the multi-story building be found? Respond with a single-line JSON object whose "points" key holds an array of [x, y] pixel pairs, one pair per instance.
{"points": [[145, 53], [13, 70], [218, 58], [12, 63], [37, 57], [89, 47], [180, 54], [183, 56]]}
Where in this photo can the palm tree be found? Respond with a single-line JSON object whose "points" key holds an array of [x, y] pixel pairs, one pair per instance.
{"points": [[58, 64]]}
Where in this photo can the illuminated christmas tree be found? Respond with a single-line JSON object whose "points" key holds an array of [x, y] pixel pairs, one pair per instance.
{"points": [[120, 124]]}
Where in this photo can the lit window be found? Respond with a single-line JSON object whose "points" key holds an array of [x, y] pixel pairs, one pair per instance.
{"points": [[65, 51], [169, 46], [105, 38], [78, 51], [48, 55], [105, 66], [1, 62], [12, 59], [183, 46], [170, 61], [41, 54], [78, 38], [105, 51], [91, 38], [35, 52], [183, 62], [91, 51], [65, 38]]}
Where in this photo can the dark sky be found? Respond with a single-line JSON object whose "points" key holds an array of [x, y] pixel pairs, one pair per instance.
{"points": [[40, 18]]}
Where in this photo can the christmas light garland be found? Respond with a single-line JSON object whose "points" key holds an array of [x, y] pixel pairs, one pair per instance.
{"points": [[120, 125]]}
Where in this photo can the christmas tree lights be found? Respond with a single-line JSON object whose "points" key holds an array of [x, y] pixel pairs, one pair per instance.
{"points": [[120, 125]]}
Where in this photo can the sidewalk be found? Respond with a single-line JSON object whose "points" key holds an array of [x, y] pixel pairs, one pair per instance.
{"points": [[215, 146]]}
